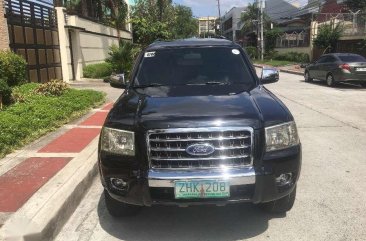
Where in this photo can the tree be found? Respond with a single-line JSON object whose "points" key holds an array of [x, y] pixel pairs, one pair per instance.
{"points": [[250, 18], [356, 5], [154, 19], [184, 24], [121, 57], [119, 14], [145, 32], [328, 37], [111, 12], [271, 37], [162, 7]]}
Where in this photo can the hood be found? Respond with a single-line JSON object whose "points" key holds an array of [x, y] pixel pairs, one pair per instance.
{"points": [[162, 107]]}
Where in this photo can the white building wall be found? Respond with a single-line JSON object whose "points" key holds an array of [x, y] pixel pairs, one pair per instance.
{"points": [[90, 43]]}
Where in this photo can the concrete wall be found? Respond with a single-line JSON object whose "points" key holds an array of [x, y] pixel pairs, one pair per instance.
{"points": [[90, 42], [305, 50], [4, 36]]}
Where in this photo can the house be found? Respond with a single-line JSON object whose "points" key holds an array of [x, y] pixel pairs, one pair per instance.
{"points": [[57, 42], [281, 10], [232, 24], [206, 26], [300, 29]]}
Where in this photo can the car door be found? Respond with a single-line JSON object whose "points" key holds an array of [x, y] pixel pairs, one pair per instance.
{"points": [[329, 64], [314, 69]]}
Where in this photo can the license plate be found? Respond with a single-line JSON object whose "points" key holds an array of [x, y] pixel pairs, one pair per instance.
{"points": [[201, 189], [361, 69]]}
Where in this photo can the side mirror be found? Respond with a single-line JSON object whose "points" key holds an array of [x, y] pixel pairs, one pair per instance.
{"points": [[118, 81], [269, 75]]}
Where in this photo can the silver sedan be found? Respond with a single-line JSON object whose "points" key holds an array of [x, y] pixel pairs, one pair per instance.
{"points": [[338, 67]]}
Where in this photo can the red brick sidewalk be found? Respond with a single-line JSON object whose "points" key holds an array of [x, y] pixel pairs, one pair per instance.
{"points": [[19, 183]]}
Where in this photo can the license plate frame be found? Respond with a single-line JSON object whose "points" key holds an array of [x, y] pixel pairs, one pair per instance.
{"points": [[207, 188]]}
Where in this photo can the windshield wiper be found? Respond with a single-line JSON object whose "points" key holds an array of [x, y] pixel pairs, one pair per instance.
{"points": [[215, 83], [149, 85], [209, 83]]}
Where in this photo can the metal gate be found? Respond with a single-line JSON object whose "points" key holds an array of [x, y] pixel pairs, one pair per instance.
{"points": [[33, 34]]}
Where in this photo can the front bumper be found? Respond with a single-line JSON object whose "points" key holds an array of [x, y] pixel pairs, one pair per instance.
{"points": [[351, 77], [255, 184], [235, 176]]}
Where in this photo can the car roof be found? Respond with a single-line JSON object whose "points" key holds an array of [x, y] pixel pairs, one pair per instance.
{"points": [[192, 42], [341, 54]]}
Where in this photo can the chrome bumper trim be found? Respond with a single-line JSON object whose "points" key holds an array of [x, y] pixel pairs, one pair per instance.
{"points": [[236, 176]]}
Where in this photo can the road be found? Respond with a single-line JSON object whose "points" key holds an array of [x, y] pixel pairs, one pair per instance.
{"points": [[331, 194]]}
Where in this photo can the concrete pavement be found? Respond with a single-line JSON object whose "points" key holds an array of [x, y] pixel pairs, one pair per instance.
{"points": [[331, 196]]}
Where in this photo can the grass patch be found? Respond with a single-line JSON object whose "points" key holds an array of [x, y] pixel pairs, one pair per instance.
{"points": [[274, 63], [22, 123]]}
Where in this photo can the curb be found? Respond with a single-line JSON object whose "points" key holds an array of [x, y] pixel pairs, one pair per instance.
{"points": [[45, 213], [292, 72], [282, 70]]}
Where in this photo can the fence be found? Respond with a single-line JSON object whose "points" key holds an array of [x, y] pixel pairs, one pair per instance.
{"points": [[33, 34], [288, 40], [354, 24]]}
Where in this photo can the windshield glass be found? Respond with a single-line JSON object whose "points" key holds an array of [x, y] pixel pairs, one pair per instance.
{"points": [[193, 66], [352, 58]]}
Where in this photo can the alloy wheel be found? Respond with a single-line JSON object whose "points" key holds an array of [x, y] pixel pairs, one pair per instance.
{"points": [[330, 80]]}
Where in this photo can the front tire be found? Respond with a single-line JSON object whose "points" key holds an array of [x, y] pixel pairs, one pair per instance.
{"points": [[281, 205], [307, 77], [119, 209], [330, 80]]}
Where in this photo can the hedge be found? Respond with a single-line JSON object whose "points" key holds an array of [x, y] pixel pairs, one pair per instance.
{"points": [[98, 71]]}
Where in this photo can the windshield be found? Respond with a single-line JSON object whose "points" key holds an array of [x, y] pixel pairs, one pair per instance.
{"points": [[352, 58], [193, 66]]}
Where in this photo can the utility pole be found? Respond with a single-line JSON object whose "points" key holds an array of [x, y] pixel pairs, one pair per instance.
{"points": [[218, 5], [262, 23]]}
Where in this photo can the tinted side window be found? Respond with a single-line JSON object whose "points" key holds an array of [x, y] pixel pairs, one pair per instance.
{"points": [[331, 59], [352, 58], [321, 60]]}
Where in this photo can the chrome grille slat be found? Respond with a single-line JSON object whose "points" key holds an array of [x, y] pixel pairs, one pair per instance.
{"points": [[200, 139], [216, 148], [167, 148], [199, 158]]}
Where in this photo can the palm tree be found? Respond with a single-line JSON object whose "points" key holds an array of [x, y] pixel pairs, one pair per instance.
{"points": [[119, 14], [250, 18], [121, 57]]}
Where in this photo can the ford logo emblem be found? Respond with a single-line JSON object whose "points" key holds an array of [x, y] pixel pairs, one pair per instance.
{"points": [[203, 149]]}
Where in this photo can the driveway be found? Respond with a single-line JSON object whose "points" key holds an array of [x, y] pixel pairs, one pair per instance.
{"points": [[331, 194]]}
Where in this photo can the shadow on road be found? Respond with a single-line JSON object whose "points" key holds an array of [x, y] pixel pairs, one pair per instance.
{"points": [[233, 222], [342, 86]]}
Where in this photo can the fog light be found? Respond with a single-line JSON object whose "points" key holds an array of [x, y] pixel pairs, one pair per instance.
{"points": [[118, 183], [284, 179]]}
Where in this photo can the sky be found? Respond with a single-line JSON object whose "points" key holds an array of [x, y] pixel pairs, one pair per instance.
{"points": [[203, 8]]}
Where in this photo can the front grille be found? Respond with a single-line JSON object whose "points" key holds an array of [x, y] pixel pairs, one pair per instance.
{"points": [[167, 148]]}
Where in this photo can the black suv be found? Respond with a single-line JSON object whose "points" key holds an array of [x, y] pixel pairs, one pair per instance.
{"points": [[195, 126]]}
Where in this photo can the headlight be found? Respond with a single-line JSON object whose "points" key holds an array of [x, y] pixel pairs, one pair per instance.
{"points": [[281, 136], [118, 141]]}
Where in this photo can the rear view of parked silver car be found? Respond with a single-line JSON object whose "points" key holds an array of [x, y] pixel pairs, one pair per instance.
{"points": [[338, 67]]}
